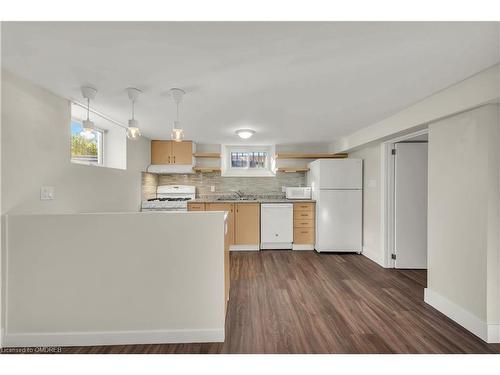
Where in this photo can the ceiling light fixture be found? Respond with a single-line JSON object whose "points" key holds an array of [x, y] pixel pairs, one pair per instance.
{"points": [[245, 133], [177, 132], [133, 131], [88, 93]]}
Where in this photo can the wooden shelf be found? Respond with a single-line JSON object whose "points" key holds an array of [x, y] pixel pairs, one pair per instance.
{"points": [[284, 155], [206, 169], [213, 155], [292, 170]]}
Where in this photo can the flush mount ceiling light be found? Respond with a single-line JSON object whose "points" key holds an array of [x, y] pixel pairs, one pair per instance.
{"points": [[177, 132], [133, 131], [245, 133], [88, 93]]}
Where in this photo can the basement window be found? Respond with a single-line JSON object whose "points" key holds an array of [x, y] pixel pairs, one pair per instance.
{"points": [[86, 148], [105, 146], [247, 161]]}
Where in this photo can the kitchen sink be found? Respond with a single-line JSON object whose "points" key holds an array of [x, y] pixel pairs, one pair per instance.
{"points": [[237, 199]]}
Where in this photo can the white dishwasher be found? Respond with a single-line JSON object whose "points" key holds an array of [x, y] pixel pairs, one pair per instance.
{"points": [[276, 225]]}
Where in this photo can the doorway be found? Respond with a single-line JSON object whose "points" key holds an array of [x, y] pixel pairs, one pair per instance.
{"points": [[405, 203]]}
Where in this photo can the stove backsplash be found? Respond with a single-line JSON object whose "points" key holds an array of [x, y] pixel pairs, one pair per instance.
{"points": [[260, 186]]}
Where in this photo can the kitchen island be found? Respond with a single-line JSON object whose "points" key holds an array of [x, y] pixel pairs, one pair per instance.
{"points": [[115, 278]]}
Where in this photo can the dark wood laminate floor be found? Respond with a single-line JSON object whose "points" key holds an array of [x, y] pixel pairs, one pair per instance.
{"points": [[304, 302]]}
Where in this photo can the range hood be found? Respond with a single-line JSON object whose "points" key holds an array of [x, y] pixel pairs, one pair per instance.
{"points": [[170, 169]]}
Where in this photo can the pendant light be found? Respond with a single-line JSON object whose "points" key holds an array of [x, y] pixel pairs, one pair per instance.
{"points": [[177, 132], [133, 132], [88, 93]]}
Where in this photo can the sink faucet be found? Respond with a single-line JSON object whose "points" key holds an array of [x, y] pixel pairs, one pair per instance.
{"points": [[239, 193]]}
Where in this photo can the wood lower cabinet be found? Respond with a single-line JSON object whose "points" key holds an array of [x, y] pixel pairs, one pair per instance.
{"points": [[247, 224], [227, 268], [196, 206], [171, 152], [304, 231]]}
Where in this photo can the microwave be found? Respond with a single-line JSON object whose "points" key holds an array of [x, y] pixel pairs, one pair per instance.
{"points": [[298, 192]]}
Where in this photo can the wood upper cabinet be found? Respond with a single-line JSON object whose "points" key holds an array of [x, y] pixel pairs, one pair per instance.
{"points": [[171, 152], [160, 152], [247, 223], [229, 207], [182, 153]]}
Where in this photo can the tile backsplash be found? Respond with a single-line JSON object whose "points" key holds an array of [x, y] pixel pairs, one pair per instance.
{"points": [[223, 185]]}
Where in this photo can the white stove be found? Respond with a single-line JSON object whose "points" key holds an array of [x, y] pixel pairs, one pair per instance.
{"points": [[170, 198]]}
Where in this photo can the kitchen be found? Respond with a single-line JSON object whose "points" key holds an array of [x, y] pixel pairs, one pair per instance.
{"points": [[246, 198], [268, 212]]}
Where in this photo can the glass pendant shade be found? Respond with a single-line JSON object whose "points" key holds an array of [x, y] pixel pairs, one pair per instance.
{"points": [[133, 131], [177, 132], [88, 126]]}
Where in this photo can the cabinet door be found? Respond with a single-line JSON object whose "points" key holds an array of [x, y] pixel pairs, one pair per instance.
{"points": [[229, 207], [196, 206], [247, 224], [182, 152], [160, 152]]}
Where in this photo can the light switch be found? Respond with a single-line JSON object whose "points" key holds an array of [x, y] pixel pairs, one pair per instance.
{"points": [[47, 193]]}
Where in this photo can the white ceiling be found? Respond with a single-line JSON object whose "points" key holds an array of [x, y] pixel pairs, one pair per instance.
{"points": [[292, 82]]}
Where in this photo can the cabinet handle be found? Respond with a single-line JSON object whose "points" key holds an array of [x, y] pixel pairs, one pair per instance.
{"points": [[304, 232], [174, 159], [168, 159]]}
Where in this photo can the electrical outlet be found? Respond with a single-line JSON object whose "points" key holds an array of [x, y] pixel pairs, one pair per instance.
{"points": [[283, 189], [212, 188], [47, 193]]}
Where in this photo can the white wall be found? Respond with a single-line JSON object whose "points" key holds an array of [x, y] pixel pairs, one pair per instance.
{"points": [[36, 152], [125, 278], [472, 92], [463, 217], [371, 201]]}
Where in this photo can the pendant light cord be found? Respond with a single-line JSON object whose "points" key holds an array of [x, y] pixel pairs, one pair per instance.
{"points": [[88, 108]]}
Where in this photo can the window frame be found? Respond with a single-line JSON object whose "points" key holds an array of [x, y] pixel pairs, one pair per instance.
{"points": [[229, 171], [100, 146]]}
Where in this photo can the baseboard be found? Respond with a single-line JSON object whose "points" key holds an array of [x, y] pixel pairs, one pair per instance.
{"points": [[374, 256], [113, 338], [303, 247], [244, 247], [494, 333], [276, 246], [458, 314]]}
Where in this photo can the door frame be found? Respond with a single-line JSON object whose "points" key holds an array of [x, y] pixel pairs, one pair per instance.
{"points": [[387, 212]]}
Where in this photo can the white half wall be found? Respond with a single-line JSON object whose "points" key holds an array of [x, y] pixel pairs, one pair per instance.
{"points": [[119, 278]]}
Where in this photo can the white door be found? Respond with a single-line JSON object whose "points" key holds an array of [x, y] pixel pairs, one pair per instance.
{"points": [[410, 194], [340, 173], [339, 220]]}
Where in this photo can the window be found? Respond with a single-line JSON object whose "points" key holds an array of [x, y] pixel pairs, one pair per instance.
{"points": [[247, 161], [86, 148], [105, 146]]}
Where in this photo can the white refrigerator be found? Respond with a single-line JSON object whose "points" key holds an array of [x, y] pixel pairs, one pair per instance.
{"points": [[337, 187]]}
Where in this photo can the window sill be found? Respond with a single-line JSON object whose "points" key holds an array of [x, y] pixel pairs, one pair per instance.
{"points": [[90, 164]]}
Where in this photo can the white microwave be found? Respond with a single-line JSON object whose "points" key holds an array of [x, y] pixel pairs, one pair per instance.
{"points": [[298, 192]]}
